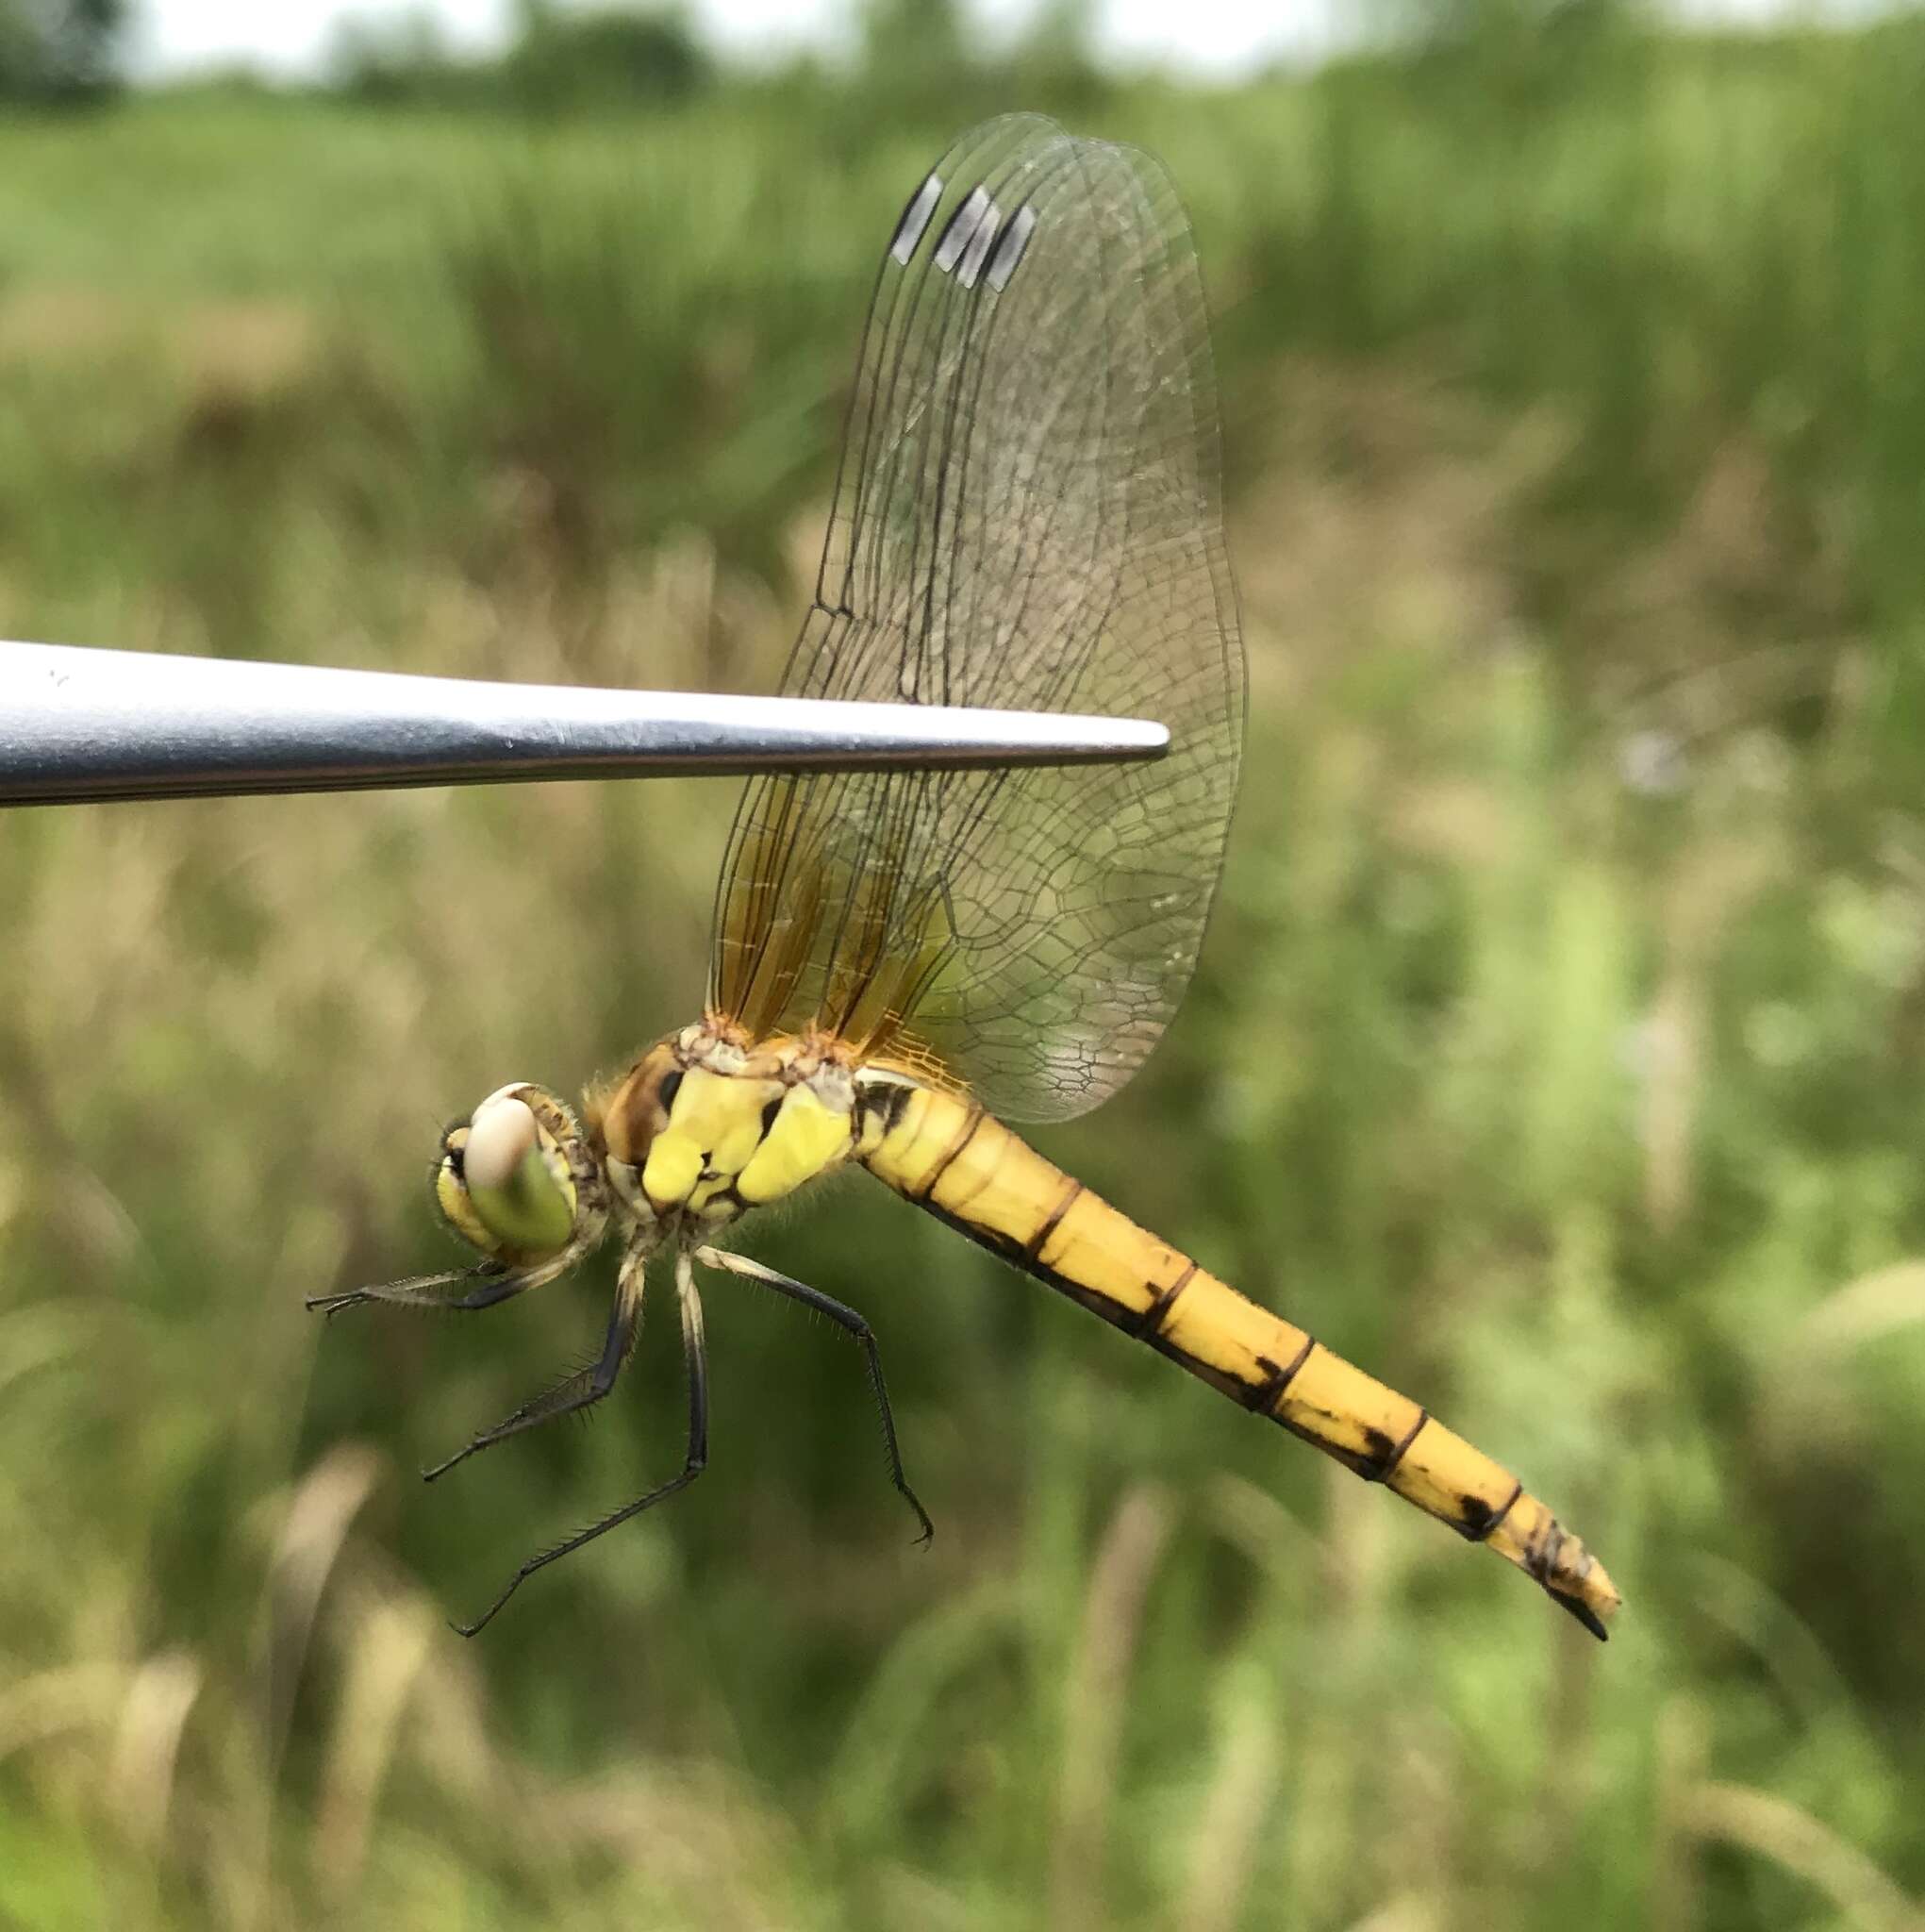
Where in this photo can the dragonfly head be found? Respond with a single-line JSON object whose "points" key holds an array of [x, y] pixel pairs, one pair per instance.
{"points": [[515, 1178]]}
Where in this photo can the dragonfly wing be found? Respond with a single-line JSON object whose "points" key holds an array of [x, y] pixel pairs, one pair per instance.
{"points": [[1027, 516]]}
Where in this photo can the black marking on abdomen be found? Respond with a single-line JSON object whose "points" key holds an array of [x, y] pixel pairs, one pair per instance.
{"points": [[1261, 1398], [969, 1133], [1150, 1323], [1255, 1397], [1006, 1248], [1540, 1560], [1542, 1563], [885, 1103], [1385, 1455], [1119, 1315], [1282, 1379], [1477, 1521], [998, 1243], [1581, 1610], [1221, 1380], [1032, 1248]]}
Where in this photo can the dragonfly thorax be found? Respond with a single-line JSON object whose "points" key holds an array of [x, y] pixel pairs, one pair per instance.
{"points": [[707, 1124]]}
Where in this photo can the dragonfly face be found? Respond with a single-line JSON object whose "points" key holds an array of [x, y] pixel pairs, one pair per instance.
{"points": [[1027, 516], [518, 1180]]}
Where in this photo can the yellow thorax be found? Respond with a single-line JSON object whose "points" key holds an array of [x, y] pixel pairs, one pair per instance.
{"points": [[746, 1126]]}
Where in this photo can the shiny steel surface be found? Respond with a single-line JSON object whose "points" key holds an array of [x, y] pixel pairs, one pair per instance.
{"points": [[79, 724]]}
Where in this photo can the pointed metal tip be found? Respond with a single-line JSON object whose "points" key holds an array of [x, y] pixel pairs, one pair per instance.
{"points": [[87, 726]]}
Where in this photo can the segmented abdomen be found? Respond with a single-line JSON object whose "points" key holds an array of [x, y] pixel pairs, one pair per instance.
{"points": [[962, 1165]]}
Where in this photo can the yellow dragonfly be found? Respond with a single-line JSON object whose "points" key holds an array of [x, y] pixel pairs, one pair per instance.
{"points": [[1027, 515]]}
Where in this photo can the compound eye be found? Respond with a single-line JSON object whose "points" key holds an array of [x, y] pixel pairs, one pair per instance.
{"points": [[504, 1184], [501, 1136]]}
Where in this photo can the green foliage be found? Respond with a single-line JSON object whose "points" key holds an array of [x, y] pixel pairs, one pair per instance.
{"points": [[604, 57], [560, 60], [1556, 1052], [60, 51], [387, 59], [932, 63]]}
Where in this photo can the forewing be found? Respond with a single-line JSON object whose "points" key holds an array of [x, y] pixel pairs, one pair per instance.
{"points": [[1027, 517]]}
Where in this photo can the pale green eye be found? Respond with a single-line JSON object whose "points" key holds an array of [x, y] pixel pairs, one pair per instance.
{"points": [[515, 1179]]}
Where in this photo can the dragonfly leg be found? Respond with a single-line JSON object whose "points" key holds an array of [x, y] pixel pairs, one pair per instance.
{"points": [[585, 1386], [480, 1287], [696, 1355], [491, 1284], [845, 1317]]}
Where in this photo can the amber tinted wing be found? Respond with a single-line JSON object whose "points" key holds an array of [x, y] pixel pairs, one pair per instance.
{"points": [[1027, 516]]}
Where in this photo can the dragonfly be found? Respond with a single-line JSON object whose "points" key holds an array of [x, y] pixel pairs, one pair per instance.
{"points": [[1027, 514]]}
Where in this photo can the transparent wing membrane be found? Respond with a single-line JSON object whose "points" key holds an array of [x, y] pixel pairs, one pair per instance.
{"points": [[1027, 516]]}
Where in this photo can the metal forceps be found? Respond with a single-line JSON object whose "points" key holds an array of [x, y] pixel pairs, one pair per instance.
{"points": [[80, 724]]}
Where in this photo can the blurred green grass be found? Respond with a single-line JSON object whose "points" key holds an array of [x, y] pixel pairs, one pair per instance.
{"points": [[1555, 1052]]}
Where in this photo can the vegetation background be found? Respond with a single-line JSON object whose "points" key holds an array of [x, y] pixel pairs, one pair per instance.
{"points": [[1556, 1051]]}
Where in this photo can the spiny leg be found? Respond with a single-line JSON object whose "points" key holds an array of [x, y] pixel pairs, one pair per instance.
{"points": [[585, 1386], [695, 1354], [491, 1282], [846, 1317]]}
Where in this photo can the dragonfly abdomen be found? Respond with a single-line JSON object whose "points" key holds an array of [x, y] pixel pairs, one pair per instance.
{"points": [[961, 1164]]}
